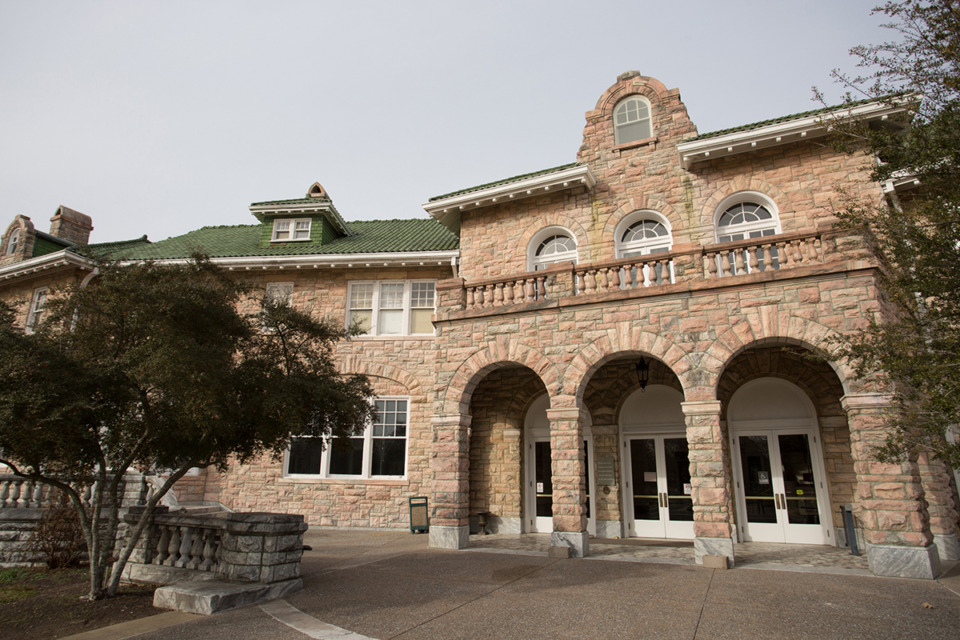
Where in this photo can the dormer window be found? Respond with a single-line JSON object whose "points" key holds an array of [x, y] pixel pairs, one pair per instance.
{"points": [[631, 120], [289, 230], [14, 242]]}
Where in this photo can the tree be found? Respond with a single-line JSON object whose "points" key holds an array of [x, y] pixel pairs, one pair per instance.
{"points": [[157, 368], [916, 239]]}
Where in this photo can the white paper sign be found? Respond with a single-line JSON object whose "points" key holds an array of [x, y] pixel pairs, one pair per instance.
{"points": [[539, 487], [763, 477], [687, 489]]}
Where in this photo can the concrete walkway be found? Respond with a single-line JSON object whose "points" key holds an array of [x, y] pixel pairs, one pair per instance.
{"points": [[361, 584]]}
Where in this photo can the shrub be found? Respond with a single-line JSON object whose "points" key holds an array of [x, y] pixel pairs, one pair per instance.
{"points": [[58, 538]]}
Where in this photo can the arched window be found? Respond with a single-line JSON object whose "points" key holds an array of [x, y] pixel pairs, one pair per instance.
{"points": [[745, 220], [549, 246], [642, 237], [748, 215], [631, 120], [13, 243]]}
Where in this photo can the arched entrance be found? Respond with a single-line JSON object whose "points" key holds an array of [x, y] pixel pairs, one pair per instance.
{"points": [[658, 501], [777, 458], [538, 483]]}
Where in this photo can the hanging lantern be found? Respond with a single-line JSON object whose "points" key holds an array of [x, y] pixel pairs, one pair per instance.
{"points": [[643, 373]]}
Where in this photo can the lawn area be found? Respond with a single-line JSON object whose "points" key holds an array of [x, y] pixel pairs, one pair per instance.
{"points": [[38, 603]]}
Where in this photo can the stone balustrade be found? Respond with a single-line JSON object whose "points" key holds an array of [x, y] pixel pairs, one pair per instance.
{"points": [[237, 547], [24, 493], [688, 267]]}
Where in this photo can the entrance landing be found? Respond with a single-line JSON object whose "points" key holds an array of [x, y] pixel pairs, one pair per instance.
{"points": [[752, 555]]}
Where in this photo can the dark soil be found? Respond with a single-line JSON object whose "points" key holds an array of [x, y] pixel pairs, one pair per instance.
{"points": [[37, 604]]}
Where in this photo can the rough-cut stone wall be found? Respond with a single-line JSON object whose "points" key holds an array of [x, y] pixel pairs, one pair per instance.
{"points": [[496, 441]]}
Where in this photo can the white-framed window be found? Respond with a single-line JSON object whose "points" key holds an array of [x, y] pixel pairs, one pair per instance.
{"points": [[392, 307], [35, 313], [748, 215], [277, 293], [642, 233], [291, 230], [379, 452], [550, 246], [13, 242], [631, 120]]}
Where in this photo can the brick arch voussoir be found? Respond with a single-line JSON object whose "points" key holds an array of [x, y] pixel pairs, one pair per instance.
{"points": [[650, 88], [641, 203], [790, 330], [736, 185], [502, 352], [554, 220], [357, 365], [622, 338]]}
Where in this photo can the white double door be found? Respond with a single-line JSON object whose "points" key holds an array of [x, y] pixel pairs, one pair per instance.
{"points": [[781, 491], [658, 493]]}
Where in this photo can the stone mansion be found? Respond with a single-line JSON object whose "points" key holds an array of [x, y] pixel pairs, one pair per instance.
{"points": [[615, 347]]}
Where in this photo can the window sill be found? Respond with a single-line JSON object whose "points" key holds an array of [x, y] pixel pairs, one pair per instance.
{"points": [[389, 482], [416, 336], [635, 143]]}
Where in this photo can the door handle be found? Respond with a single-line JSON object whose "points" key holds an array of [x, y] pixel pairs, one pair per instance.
{"points": [[776, 500]]}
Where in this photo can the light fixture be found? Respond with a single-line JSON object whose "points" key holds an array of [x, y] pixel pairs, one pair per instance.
{"points": [[643, 373]]}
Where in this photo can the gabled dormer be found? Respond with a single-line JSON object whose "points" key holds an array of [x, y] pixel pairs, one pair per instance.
{"points": [[311, 220]]}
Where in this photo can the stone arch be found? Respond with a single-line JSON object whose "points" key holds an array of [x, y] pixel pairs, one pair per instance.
{"points": [[502, 352], [624, 338], [630, 83], [768, 325], [641, 203], [736, 185], [554, 219], [357, 365]]}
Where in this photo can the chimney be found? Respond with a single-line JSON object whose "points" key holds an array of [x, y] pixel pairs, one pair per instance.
{"points": [[71, 225]]}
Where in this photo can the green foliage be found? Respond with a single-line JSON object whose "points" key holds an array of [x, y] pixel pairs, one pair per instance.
{"points": [[917, 239], [156, 367]]}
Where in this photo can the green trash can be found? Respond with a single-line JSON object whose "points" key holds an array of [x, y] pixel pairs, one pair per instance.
{"points": [[419, 517]]}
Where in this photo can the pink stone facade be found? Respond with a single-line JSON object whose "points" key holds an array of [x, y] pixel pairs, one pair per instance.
{"points": [[748, 436]]}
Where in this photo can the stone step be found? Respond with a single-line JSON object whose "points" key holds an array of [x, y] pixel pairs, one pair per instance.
{"points": [[211, 596]]}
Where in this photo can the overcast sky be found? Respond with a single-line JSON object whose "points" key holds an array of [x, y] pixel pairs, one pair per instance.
{"points": [[161, 117]]}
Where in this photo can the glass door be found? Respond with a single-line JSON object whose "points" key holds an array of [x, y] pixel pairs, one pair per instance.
{"points": [[541, 487], [658, 489], [778, 486]]}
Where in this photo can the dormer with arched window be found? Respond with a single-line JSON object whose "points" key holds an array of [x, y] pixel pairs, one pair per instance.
{"points": [[631, 120]]}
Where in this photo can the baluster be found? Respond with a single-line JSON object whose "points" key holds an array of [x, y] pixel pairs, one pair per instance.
{"points": [[541, 283], [589, 281], [498, 294], [37, 499], [508, 292], [4, 492], [615, 279], [738, 266], [811, 249], [709, 265], [783, 255], [173, 549], [520, 290], [818, 250], [725, 263], [186, 544], [795, 254], [767, 258], [469, 297], [752, 262], [163, 546], [208, 553], [196, 549], [87, 494], [15, 493], [603, 280]]}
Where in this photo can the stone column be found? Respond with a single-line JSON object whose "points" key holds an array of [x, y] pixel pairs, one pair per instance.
{"points": [[710, 480], [569, 479], [450, 522], [890, 500], [940, 506], [606, 448]]}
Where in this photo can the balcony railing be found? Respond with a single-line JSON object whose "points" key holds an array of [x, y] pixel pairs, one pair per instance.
{"points": [[683, 269]]}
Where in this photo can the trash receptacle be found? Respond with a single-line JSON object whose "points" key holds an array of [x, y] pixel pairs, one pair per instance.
{"points": [[849, 529], [419, 517]]}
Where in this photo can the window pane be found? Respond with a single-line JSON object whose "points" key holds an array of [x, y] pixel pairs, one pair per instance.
{"points": [[363, 319], [420, 321], [391, 322], [391, 296], [422, 295], [346, 456], [301, 229], [305, 456], [388, 457], [361, 296]]}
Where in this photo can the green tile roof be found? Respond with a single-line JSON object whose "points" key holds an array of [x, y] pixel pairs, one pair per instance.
{"points": [[505, 181], [793, 116], [372, 236], [317, 201]]}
